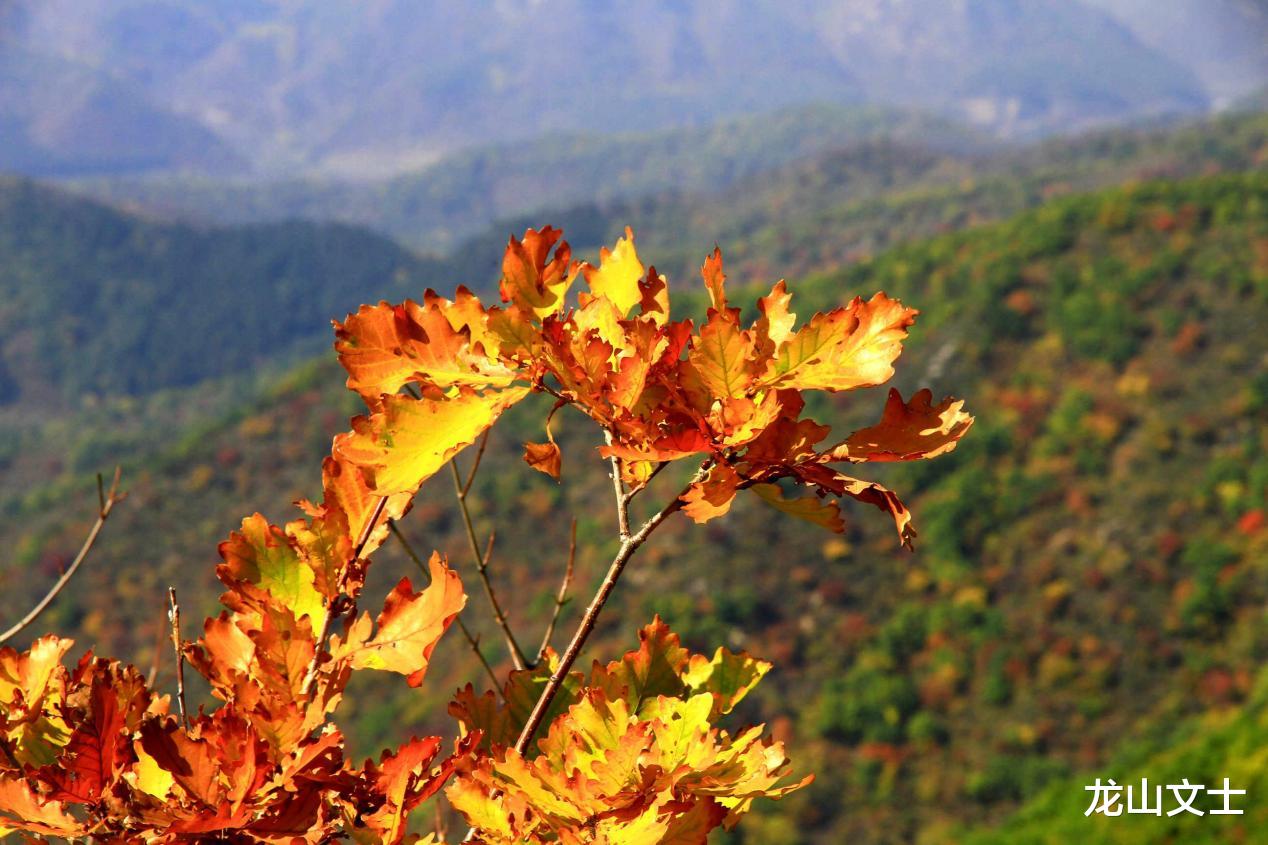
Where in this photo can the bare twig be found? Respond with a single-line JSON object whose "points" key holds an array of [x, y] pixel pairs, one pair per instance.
{"points": [[158, 655], [623, 555], [622, 499], [107, 500], [482, 565], [339, 603], [471, 474], [472, 641], [174, 616], [561, 598]]}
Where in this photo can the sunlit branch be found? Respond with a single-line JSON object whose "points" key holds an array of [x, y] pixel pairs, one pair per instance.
{"points": [[628, 547], [174, 616]]}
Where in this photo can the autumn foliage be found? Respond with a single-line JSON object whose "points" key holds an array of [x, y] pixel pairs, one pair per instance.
{"points": [[629, 752]]}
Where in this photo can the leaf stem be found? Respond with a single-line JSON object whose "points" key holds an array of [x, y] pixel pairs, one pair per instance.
{"points": [[106, 500], [482, 566]]}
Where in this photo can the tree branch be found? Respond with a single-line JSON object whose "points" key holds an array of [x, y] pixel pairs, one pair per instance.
{"points": [[622, 499], [174, 616], [562, 597], [623, 555], [337, 605], [482, 565], [106, 501], [471, 474]]}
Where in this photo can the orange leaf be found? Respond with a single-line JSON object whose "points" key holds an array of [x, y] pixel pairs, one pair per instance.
{"points": [[532, 280], [715, 279], [776, 323], [543, 457], [22, 809], [384, 347], [722, 356], [408, 628], [712, 496], [908, 431]]}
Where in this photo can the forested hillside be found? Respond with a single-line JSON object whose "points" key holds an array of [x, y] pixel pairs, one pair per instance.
{"points": [[97, 302], [1088, 581], [847, 204]]}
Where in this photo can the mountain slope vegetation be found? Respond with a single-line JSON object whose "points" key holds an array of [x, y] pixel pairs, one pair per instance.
{"points": [[1089, 573]]}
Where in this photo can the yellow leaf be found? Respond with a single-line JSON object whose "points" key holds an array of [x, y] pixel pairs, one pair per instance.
{"points": [[728, 677], [810, 508], [617, 275], [262, 554], [149, 777], [722, 355], [409, 440], [850, 347]]}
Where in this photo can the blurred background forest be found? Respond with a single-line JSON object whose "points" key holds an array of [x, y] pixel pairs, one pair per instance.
{"points": [[1075, 194]]}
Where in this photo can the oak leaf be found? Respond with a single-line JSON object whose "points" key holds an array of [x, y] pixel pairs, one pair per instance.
{"points": [[408, 628], [908, 431]]}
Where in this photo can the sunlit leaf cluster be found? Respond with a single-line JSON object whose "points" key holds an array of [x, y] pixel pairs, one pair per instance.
{"points": [[628, 753]]}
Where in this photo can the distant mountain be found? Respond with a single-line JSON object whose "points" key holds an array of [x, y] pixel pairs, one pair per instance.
{"points": [[357, 87], [98, 302], [438, 206], [60, 118], [1224, 42], [836, 208]]}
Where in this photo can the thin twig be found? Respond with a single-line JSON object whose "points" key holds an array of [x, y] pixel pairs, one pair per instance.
{"points": [[482, 565], [622, 499], [623, 555], [561, 598], [471, 474], [336, 607], [174, 616], [472, 641], [158, 655], [107, 500]]}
